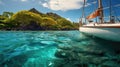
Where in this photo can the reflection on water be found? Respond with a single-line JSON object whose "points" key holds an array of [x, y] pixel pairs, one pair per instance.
{"points": [[55, 49]]}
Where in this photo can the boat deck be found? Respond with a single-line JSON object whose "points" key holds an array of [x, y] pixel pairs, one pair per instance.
{"points": [[95, 25]]}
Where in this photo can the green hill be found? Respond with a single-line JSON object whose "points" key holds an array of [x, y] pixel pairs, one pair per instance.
{"points": [[34, 20]]}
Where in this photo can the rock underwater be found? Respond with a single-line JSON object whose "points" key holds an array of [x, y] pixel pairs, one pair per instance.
{"points": [[74, 56]]}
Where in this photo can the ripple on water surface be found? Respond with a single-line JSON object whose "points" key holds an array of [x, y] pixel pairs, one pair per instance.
{"points": [[39, 49]]}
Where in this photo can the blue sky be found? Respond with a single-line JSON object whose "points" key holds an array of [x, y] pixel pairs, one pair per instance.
{"points": [[69, 9]]}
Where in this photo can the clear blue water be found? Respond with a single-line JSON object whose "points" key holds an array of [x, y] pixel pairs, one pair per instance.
{"points": [[37, 48]]}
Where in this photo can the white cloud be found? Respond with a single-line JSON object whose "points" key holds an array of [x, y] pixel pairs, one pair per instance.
{"points": [[24, 0], [45, 4], [69, 19], [63, 5]]}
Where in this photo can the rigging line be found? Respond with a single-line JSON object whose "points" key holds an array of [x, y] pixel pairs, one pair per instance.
{"points": [[95, 9], [90, 8], [110, 11], [116, 15], [113, 11], [83, 13], [116, 6]]}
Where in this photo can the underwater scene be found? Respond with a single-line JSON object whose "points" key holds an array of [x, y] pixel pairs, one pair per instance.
{"points": [[56, 49]]}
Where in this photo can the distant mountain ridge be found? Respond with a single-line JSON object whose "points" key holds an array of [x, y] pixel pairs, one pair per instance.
{"points": [[35, 11], [49, 14]]}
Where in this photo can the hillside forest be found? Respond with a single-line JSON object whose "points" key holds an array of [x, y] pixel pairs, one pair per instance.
{"points": [[34, 20]]}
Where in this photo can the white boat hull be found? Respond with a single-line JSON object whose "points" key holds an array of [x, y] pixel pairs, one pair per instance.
{"points": [[104, 33]]}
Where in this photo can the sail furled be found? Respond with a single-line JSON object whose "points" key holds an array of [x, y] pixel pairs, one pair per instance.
{"points": [[94, 14]]}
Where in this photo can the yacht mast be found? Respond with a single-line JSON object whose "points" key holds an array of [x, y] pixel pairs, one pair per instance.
{"points": [[83, 14], [110, 12], [101, 10]]}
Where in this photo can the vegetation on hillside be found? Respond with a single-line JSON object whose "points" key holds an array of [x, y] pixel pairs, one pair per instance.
{"points": [[34, 20]]}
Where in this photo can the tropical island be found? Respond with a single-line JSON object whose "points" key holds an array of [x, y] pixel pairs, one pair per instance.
{"points": [[34, 20]]}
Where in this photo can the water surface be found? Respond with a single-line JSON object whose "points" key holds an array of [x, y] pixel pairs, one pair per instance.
{"points": [[38, 48]]}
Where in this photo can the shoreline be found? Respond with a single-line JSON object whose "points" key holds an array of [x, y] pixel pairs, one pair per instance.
{"points": [[40, 30]]}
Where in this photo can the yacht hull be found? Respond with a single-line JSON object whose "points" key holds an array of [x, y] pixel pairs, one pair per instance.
{"points": [[108, 33]]}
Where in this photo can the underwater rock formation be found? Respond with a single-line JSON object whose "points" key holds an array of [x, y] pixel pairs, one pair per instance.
{"points": [[74, 56]]}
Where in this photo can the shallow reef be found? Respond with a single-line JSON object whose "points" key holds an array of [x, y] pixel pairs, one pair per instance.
{"points": [[75, 56]]}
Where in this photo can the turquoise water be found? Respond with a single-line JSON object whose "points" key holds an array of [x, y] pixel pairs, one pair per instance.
{"points": [[39, 49]]}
